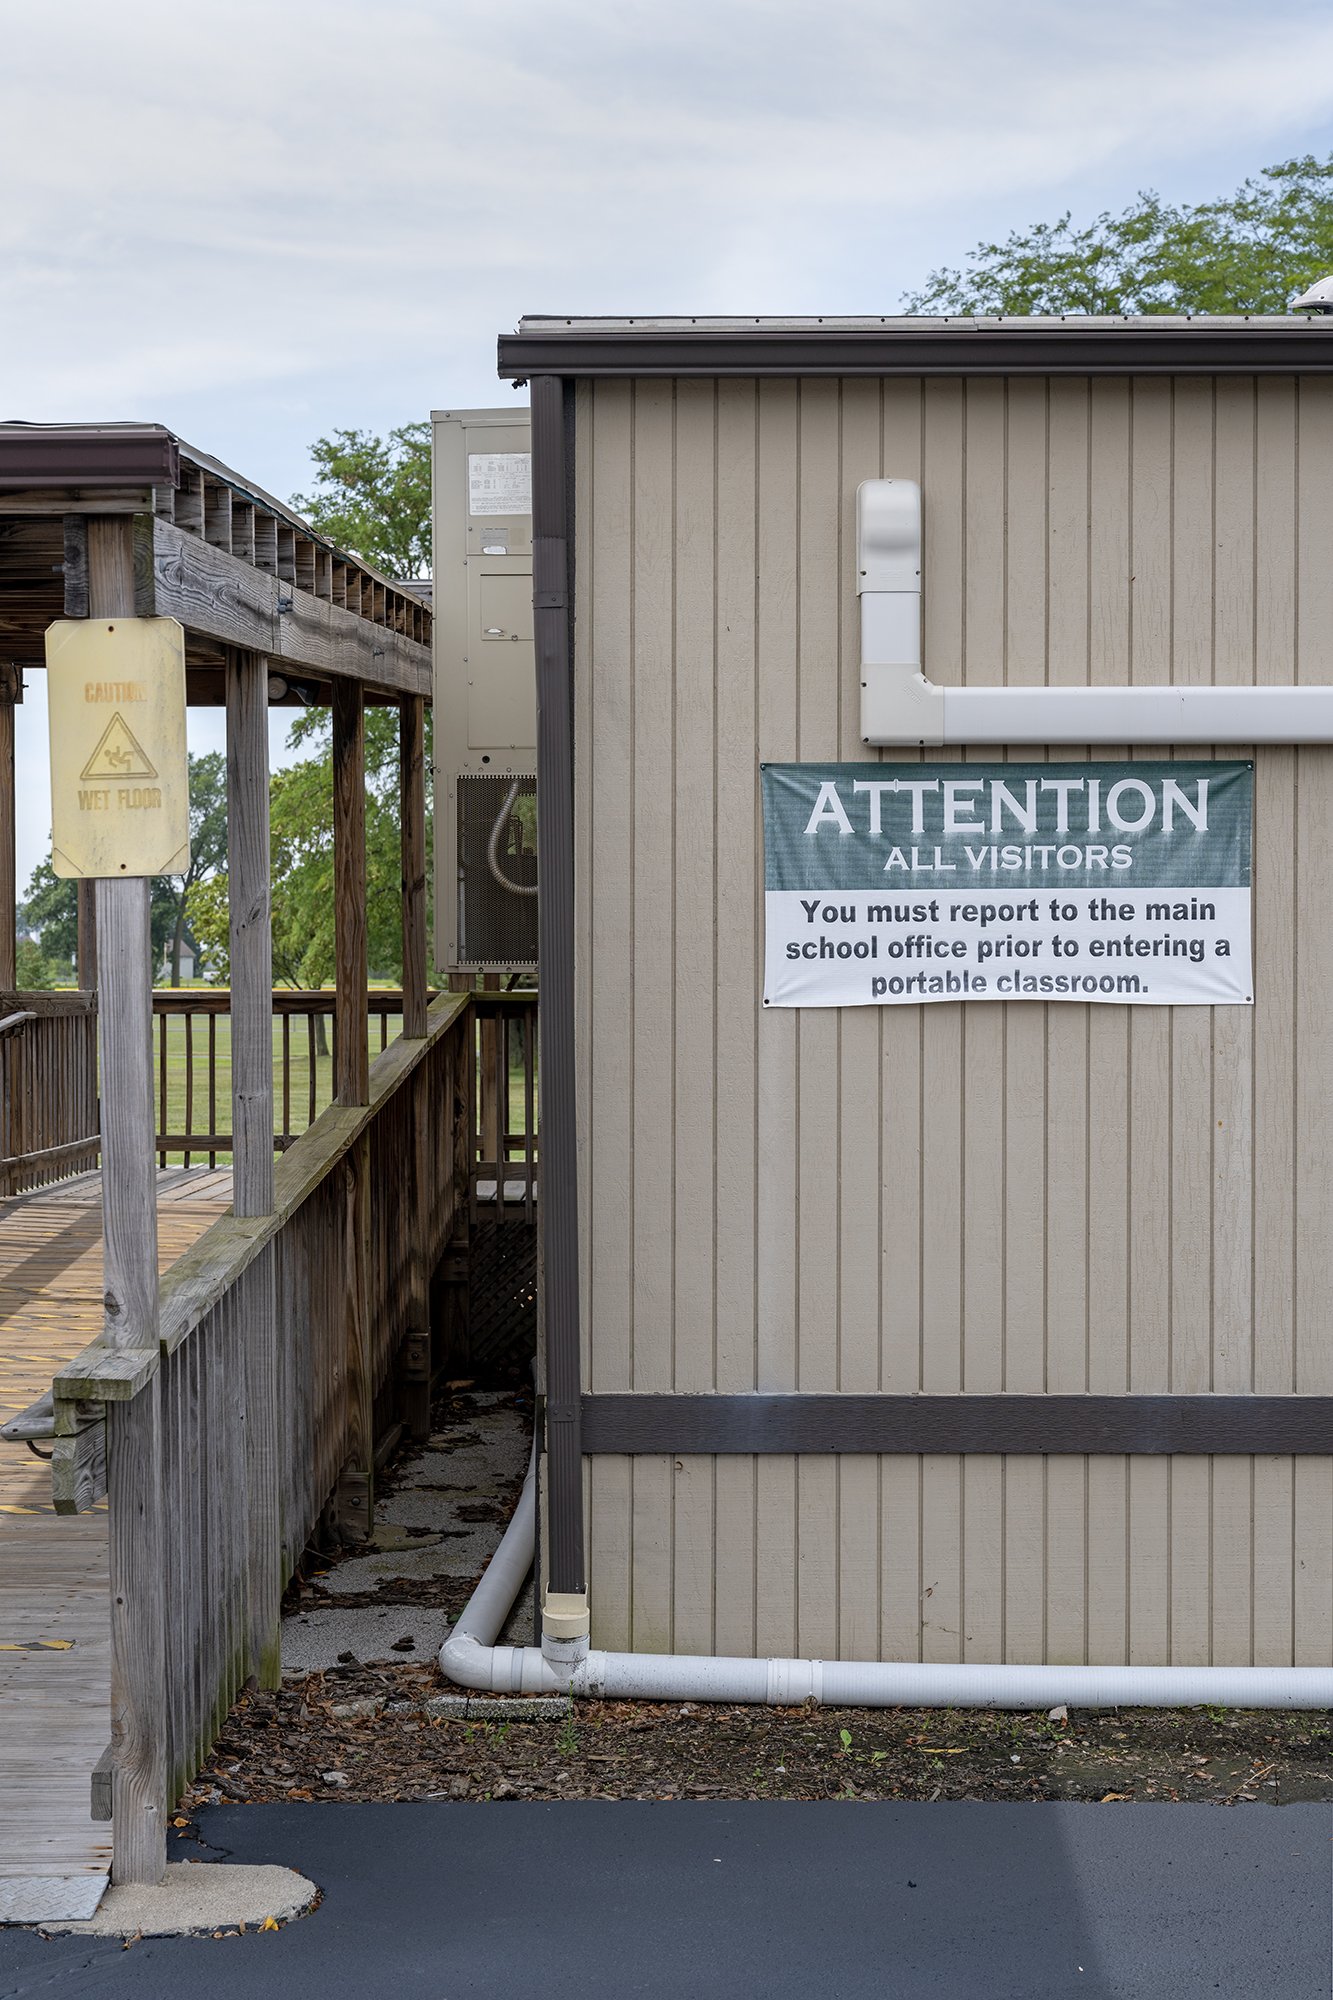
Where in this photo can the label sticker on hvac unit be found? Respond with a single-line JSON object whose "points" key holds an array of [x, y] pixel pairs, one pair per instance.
{"points": [[894, 884], [499, 482]]}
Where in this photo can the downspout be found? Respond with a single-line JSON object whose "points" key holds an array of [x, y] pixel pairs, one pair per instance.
{"points": [[565, 1606], [471, 1657], [900, 706]]}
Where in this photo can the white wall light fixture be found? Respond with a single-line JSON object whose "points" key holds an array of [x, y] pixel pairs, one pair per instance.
{"points": [[900, 706]]}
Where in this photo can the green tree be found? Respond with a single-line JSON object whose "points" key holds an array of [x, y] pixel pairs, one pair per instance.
{"points": [[301, 849], [208, 842], [372, 497], [1249, 252], [50, 909], [35, 972]]}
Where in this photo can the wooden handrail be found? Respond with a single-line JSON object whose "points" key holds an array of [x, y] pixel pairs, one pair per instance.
{"points": [[503, 1137], [210, 1267], [286, 999], [48, 1087], [47, 1001]]}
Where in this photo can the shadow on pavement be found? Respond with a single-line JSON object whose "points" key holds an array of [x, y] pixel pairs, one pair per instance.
{"points": [[785, 1901]]}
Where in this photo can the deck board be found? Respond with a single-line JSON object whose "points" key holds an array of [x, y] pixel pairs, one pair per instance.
{"points": [[55, 1707]]}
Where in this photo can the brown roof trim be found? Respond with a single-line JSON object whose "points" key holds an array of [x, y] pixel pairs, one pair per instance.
{"points": [[705, 1425], [918, 347], [84, 455]]}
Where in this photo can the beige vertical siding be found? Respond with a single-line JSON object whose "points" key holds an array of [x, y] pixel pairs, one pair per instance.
{"points": [[984, 1198]]}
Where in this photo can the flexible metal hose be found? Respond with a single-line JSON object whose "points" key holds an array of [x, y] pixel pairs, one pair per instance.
{"points": [[493, 847]]}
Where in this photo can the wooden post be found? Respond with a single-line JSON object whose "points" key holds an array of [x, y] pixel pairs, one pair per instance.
{"points": [[355, 1500], [412, 797], [493, 1121], [252, 1143], [351, 1060], [11, 690], [77, 606], [251, 933], [451, 1302], [414, 1361], [351, 1078], [129, 1285], [87, 973]]}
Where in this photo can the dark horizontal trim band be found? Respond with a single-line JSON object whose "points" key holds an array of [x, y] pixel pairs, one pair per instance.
{"points": [[999, 350], [1045, 1424]]}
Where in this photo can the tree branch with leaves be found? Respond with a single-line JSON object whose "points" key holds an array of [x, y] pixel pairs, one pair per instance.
{"points": [[372, 497], [1249, 252]]}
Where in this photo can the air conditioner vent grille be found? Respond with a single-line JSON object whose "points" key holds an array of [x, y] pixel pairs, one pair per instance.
{"points": [[497, 924]]}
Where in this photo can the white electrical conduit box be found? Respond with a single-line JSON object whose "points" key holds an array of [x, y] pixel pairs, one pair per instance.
{"points": [[900, 706]]}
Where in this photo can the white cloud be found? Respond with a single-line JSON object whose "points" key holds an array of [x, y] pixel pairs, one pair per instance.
{"points": [[262, 194], [258, 222]]}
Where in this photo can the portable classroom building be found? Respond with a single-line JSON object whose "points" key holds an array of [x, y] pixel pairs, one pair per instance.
{"points": [[960, 1331]]}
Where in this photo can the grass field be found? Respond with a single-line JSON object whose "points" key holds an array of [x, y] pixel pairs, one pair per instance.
{"points": [[190, 1104], [190, 1108]]}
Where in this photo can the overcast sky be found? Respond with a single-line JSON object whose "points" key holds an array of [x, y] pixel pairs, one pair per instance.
{"points": [[257, 222]]}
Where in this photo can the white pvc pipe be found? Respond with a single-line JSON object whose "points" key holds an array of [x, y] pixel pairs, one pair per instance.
{"points": [[471, 1658], [1196, 715], [900, 706]]}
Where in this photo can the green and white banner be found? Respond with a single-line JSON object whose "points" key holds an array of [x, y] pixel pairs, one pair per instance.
{"points": [[899, 883]]}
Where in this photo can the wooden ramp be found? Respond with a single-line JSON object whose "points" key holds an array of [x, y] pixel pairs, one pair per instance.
{"points": [[55, 1655]]}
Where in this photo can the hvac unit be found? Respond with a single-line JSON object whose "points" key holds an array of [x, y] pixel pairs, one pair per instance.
{"points": [[485, 693]]}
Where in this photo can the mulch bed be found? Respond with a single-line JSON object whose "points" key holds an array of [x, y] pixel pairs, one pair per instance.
{"points": [[360, 1732], [364, 1732]]}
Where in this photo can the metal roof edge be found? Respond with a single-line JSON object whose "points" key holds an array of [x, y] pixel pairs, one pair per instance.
{"points": [[1155, 345], [87, 455]]}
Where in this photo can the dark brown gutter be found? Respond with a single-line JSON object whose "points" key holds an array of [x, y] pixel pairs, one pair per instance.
{"points": [[927, 347], [552, 592], [44, 455]]}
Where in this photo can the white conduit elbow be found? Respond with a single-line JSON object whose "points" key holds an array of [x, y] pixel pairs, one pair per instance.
{"points": [[900, 706], [471, 1658]]}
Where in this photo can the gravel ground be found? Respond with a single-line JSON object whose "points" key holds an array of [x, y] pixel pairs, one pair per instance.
{"points": [[363, 1729]]}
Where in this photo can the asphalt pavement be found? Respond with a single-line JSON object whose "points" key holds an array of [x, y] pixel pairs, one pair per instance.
{"points": [[781, 1901]]}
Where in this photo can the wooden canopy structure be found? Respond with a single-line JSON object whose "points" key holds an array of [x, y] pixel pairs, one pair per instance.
{"points": [[234, 565], [202, 545], [223, 1412]]}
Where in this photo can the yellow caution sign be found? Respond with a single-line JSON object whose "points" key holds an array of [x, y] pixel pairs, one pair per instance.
{"points": [[120, 794]]}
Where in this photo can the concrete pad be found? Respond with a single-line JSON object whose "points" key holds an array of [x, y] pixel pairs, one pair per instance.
{"points": [[388, 1537], [463, 1556], [312, 1640], [499, 1707], [199, 1896], [431, 1489]]}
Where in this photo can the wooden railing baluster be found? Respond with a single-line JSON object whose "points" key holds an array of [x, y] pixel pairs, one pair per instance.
{"points": [[189, 1081], [212, 1085], [162, 1126], [285, 1136], [310, 1047]]}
